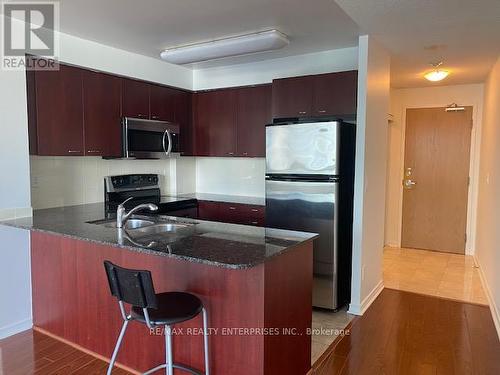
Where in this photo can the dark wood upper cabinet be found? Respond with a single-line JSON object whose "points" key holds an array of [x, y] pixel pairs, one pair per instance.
{"points": [[135, 98], [293, 97], [183, 116], [58, 115], [102, 119], [215, 122], [162, 103], [254, 112], [335, 93]]}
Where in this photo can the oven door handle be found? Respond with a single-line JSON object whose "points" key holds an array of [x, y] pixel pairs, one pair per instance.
{"points": [[167, 149]]}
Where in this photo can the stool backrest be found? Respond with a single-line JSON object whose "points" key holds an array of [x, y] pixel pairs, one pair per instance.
{"points": [[134, 287]]}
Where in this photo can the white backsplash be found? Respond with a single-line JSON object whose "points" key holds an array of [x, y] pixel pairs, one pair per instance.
{"points": [[63, 181], [233, 176]]}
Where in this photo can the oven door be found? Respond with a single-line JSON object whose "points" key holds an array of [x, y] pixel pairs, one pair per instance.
{"points": [[148, 139]]}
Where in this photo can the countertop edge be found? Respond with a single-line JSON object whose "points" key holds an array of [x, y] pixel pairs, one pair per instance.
{"points": [[142, 250]]}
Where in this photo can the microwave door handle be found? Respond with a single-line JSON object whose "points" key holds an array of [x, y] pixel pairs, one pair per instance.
{"points": [[169, 137], [163, 142]]}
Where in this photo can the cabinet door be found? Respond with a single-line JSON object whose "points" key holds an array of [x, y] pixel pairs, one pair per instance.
{"points": [[292, 97], [102, 122], [135, 98], [162, 103], [335, 93], [208, 211], [59, 111], [215, 122], [183, 117], [254, 112]]}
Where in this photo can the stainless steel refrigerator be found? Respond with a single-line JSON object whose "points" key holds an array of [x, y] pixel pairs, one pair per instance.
{"points": [[309, 187]]}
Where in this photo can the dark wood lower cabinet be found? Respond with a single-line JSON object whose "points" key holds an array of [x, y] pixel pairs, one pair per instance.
{"points": [[234, 213], [71, 300]]}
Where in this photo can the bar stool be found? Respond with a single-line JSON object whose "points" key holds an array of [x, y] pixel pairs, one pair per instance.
{"points": [[135, 287]]}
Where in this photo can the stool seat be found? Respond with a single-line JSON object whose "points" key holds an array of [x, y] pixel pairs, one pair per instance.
{"points": [[172, 308]]}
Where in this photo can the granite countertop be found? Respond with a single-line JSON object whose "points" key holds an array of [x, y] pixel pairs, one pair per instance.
{"points": [[219, 244]]}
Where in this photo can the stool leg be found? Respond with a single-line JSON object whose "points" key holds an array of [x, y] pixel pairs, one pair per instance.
{"points": [[117, 347], [168, 351], [205, 342]]}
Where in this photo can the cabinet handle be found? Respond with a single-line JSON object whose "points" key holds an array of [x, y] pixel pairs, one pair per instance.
{"points": [[255, 210], [141, 115], [254, 222], [232, 208], [230, 153], [93, 151], [155, 117], [322, 111], [73, 151], [245, 153], [302, 112]]}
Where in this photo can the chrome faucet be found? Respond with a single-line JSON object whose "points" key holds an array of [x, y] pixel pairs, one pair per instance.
{"points": [[122, 216]]}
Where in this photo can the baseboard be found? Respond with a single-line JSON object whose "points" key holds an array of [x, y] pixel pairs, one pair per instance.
{"points": [[17, 327], [495, 312], [392, 244], [360, 309]]}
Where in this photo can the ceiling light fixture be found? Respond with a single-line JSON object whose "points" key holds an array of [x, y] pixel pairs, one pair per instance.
{"points": [[436, 74], [240, 45]]}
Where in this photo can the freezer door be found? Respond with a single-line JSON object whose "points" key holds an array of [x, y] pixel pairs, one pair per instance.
{"points": [[303, 149], [311, 207]]}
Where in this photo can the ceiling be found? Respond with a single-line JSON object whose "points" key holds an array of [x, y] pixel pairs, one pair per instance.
{"points": [[148, 27], [464, 34]]}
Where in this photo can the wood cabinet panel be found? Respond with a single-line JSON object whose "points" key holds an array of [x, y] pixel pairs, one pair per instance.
{"points": [[162, 103], [254, 112], [292, 97], [135, 98], [183, 116], [102, 119], [215, 122], [71, 300], [59, 112], [335, 93], [234, 213]]}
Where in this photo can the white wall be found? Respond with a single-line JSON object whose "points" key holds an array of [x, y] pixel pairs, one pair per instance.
{"points": [[440, 96], [14, 159], [265, 71], [233, 176], [488, 219], [370, 169], [15, 281]]}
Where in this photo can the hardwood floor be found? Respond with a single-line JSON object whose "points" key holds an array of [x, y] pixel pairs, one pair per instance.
{"points": [[31, 352], [402, 333], [406, 333]]}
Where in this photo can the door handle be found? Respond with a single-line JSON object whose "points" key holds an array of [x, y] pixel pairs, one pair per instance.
{"points": [[408, 184]]}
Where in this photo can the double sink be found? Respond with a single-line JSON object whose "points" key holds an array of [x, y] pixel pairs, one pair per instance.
{"points": [[146, 227]]}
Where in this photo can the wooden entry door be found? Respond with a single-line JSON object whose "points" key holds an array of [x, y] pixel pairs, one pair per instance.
{"points": [[436, 179]]}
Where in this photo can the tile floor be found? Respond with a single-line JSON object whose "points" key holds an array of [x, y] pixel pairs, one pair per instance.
{"points": [[444, 275], [326, 327]]}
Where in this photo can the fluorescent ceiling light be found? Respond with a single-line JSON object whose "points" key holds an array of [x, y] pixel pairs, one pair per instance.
{"points": [[235, 46]]}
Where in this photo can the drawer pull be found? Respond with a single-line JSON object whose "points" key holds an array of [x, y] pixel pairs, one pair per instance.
{"points": [[93, 151], [232, 208], [73, 151], [255, 210], [322, 111]]}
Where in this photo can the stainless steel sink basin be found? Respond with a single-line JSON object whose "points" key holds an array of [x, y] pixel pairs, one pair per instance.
{"points": [[130, 224], [161, 228]]}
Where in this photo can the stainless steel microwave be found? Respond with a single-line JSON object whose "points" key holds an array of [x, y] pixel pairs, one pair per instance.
{"points": [[150, 139]]}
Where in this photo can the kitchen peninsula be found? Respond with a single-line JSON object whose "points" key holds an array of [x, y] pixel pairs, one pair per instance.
{"points": [[252, 280]]}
